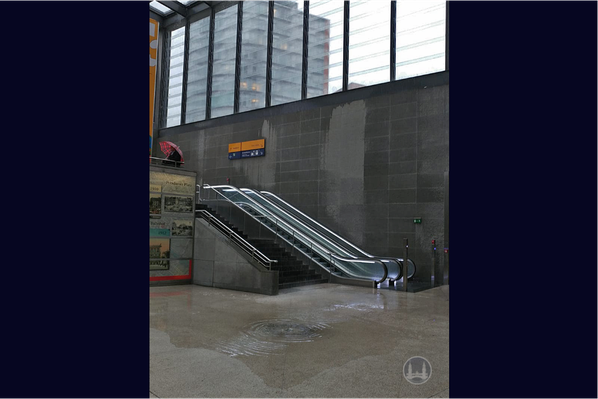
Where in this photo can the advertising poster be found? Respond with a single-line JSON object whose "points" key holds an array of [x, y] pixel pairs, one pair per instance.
{"points": [[182, 228], [173, 203], [169, 183], [159, 253], [155, 204]]}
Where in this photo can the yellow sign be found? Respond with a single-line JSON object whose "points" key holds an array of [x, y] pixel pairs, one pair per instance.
{"points": [[252, 145], [156, 188], [234, 147], [153, 63]]}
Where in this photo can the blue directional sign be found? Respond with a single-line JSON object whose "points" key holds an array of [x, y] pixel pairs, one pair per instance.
{"points": [[260, 152], [247, 149]]}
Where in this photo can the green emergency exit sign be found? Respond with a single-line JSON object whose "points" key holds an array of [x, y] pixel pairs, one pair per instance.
{"points": [[417, 220]]}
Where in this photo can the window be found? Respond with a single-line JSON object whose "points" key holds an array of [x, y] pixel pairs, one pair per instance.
{"points": [[325, 50], [197, 79], [254, 51], [225, 47], [420, 38], [287, 52], [175, 78], [420, 46], [369, 43]]}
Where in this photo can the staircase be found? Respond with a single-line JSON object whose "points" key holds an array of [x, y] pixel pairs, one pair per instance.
{"points": [[292, 272]]}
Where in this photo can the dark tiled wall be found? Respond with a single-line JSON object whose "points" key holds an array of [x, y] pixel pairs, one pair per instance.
{"points": [[364, 168]]}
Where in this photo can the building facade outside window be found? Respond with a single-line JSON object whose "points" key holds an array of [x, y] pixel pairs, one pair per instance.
{"points": [[254, 51], [325, 49], [369, 43], [175, 77], [420, 49], [421, 31], [197, 78], [223, 77]]}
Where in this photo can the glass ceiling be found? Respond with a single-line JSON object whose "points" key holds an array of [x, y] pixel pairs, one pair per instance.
{"points": [[161, 9]]}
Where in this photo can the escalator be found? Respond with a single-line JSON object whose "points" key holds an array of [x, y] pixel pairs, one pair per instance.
{"points": [[313, 224], [344, 261]]}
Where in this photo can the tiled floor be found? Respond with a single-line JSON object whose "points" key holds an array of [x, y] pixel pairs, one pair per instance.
{"points": [[324, 340]]}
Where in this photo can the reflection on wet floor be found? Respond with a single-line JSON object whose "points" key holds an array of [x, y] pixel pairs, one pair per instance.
{"points": [[412, 286], [294, 344]]}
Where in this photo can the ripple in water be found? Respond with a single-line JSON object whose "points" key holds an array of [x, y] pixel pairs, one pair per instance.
{"points": [[265, 337]]}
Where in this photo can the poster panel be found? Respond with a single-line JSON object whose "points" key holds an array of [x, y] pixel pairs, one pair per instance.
{"points": [[175, 203], [159, 253], [155, 204]]}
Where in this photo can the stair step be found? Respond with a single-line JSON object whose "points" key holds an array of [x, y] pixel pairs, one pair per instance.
{"points": [[287, 268], [292, 271], [301, 277], [301, 283], [287, 273]]}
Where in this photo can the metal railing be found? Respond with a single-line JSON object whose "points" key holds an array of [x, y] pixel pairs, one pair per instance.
{"points": [[168, 162], [238, 240], [295, 236], [396, 272]]}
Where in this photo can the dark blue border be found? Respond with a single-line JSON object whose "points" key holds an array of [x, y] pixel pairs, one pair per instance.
{"points": [[76, 295], [523, 199]]}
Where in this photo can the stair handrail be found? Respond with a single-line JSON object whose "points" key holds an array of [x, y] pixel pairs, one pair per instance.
{"points": [[264, 212], [237, 239], [399, 261], [280, 222]]}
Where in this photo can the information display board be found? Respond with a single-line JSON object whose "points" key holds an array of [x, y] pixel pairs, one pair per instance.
{"points": [[172, 217]]}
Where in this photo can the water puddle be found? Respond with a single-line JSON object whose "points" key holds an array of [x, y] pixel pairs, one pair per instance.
{"points": [[267, 337], [356, 306]]}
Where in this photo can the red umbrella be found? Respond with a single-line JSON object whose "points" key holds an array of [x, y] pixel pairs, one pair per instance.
{"points": [[168, 147]]}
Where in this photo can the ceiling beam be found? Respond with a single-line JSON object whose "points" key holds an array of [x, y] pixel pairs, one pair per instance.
{"points": [[176, 7]]}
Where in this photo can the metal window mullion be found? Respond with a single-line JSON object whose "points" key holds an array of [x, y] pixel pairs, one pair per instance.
{"points": [[269, 53], [393, 40], [164, 75], [238, 57], [305, 63], [346, 46], [446, 37], [185, 74], [210, 66]]}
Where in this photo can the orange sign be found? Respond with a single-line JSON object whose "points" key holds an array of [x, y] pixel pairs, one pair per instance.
{"points": [[252, 145], [234, 147], [153, 63]]}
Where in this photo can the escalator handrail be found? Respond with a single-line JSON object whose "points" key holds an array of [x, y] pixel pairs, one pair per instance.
{"points": [[364, 260], [346, 257], [328, 240], [318, 224], [301, 224], [264, 214], [279, 221], [328, 231]]}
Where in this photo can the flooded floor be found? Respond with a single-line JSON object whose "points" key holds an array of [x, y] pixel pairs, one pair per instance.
{"points": [[324, 340]]}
